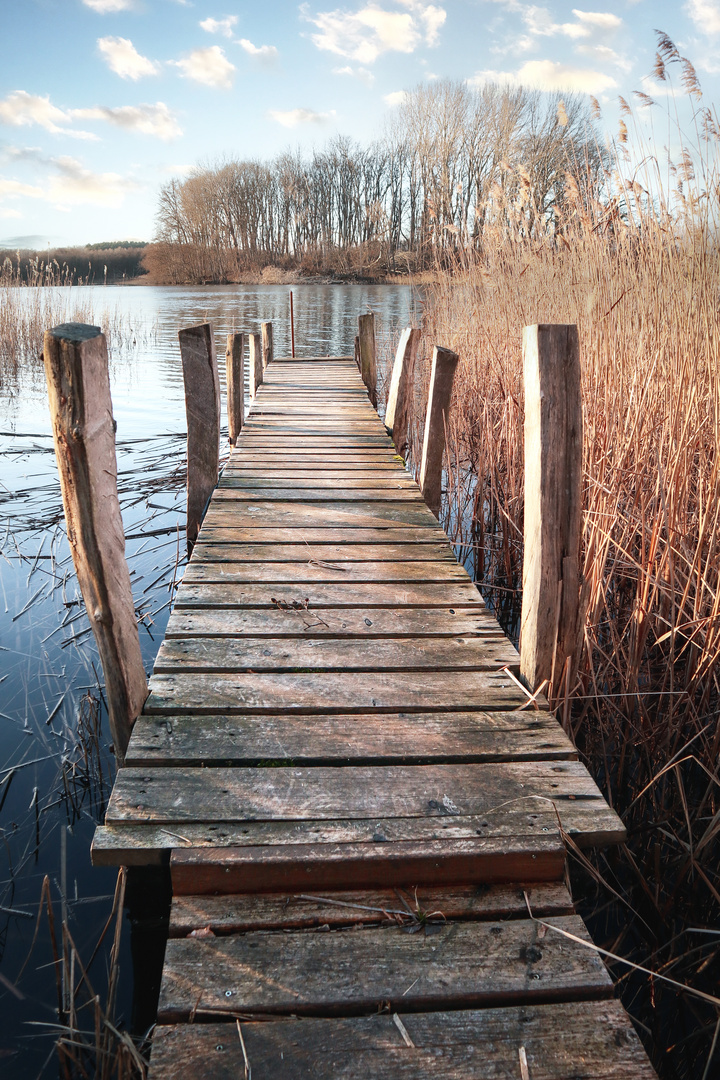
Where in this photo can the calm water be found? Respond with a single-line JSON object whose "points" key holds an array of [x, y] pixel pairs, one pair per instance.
{"points": [[55, 766]]}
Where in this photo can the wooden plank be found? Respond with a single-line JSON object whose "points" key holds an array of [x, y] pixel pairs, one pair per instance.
{"points": [[235, 914], [331, 692], [383, 535], [229, 492], [308, 515], [236, 481], [431, 654], [419, 594], [393, 738], [590, 1040], [461, 964], [269, 552], [324, 571], [325, 793]]}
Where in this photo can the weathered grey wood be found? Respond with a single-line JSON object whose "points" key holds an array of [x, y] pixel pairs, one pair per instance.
{"points": [[368, 360], [553, 502], [202, 406], [592, 1040], [307, 515], [266, 332], [466, 964], [230, 491], [313, 552], [255, 364], [215, 572], [380, 540], [388, 739], [399, 403], [76, 369], [442, 374], [234, 914], [313, 595], [235, 381], [357, 353]]}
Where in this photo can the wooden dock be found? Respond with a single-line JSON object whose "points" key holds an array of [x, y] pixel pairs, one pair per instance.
{"points": [[363, 816]]}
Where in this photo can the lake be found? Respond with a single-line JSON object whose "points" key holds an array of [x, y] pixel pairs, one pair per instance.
{"points": [[56, 768]]}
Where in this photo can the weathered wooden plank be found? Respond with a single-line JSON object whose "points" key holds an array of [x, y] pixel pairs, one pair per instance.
{"points": [[383, 535], [230, 492], [373, 551], [306, 515], [184, 691], [405, 623], [324, 571], [430, 654], [590, 1040], [235, 914], [313, 595], [463, 964], [318, 481], [321, 793], [402, 738]]}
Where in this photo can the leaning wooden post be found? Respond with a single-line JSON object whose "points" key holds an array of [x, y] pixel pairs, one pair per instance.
{"points": [[256, 363], [235, 383], [357, 352], [76, 369], [368, 362], [397, 413], [267, 343], [549, 632], [442, 374], [202, 406]]}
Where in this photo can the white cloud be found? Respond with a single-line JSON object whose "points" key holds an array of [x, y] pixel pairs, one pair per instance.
{"points": [[8, 212], [105, 7], [208, 66], [292, 117], [599, 20], [220, 26], [539, 22], [154, 120], [396, 97], [553, 75], [502, 78], [73, 184], [123, 58], [14, 189], [365, 34], [705, 14], [20, 109], [603, 54], [266, 53], [361, 73]]}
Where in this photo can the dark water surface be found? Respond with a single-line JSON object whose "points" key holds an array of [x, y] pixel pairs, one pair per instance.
{"points": [[56, 768]]}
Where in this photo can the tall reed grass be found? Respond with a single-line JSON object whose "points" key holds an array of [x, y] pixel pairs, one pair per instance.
{"points": [[635, 263]]}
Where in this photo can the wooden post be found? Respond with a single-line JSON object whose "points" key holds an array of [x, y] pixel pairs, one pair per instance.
{"points": [[442, 374], [235, 382], [267, 343], [549, 631], [202, 406], [292, 326], [76, 369], [256, 363], [357, 352], [397, 414], [368, 363]]}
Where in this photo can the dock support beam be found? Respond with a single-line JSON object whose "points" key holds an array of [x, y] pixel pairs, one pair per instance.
{"points": [[397, 414], [256, 364], [368, 361], [266, 330], [76, 369], [202, 406], [549, 632], [442, 374], [235, 383]]}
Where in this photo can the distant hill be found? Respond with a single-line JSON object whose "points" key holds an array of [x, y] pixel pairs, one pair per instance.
{"points": [[109, 262]]}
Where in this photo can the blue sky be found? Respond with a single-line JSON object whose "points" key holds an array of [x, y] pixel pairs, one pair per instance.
{"points": [[102, 101]]}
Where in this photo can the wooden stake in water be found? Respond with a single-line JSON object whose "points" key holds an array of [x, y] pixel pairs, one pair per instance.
{"points": [[256, 363], [202, 406], [76, 369], [397, 413], [549, 632], [292, 326], [442, 374], [235, 383]]}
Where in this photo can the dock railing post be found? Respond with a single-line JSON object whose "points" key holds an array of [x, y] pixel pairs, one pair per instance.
{"points": [[442, 374], [266, 329], [357, 353], [256, 363], [235, 383], [397, 413], [76, 369], [549, 630], [202, 406], [368, 361]]}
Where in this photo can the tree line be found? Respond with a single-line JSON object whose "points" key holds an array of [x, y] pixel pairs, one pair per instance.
{"points": [[454, 163]]}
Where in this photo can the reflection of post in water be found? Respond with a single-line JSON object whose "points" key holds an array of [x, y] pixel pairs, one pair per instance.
{"points": [[147, 903]]}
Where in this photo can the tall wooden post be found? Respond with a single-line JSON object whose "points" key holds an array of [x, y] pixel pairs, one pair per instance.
{"points": [[202, 406], [397, 414], [368, 362], [549, 631], [235, 383], [256, 363], [76, 369], [292, 326], [266, 331], [357, 352], [442, 374]]}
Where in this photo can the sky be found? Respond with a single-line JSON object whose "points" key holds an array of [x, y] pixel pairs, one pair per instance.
{"points": [[104, 101]]}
